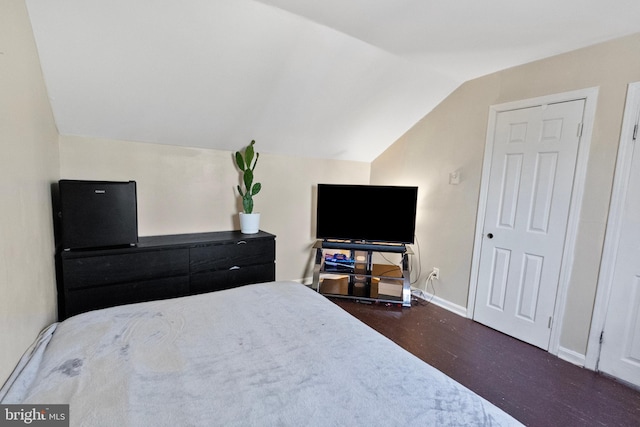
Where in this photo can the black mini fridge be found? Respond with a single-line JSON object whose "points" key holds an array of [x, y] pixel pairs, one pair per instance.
{"points": [[97, 214]]}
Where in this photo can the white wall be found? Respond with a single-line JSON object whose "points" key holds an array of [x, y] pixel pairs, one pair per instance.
{"points": [[452, 137], [28, 166], [188, 190]]}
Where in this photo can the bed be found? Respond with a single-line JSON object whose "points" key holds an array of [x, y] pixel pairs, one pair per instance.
{"points": [[267, 354]]}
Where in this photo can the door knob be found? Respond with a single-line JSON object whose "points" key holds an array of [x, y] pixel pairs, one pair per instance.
{"points": [[490, 235]]}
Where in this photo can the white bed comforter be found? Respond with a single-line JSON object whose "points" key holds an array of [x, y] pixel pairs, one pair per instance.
{"points": [[261, 355]]}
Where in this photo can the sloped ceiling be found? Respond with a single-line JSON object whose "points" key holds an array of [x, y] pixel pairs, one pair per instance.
{"points": [[336, 79]]}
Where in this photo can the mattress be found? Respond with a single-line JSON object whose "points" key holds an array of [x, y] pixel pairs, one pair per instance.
{"points": [[268, 354]]}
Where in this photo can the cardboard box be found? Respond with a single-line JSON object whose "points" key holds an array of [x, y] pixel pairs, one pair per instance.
{"points": [[389, 287], [335, 285], [386, 270]]}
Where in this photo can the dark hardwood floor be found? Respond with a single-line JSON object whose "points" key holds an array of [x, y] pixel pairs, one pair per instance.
{"points": [[531, 384]]}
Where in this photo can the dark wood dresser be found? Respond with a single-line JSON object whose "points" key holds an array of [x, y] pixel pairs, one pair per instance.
{"points": [[162, 267]]}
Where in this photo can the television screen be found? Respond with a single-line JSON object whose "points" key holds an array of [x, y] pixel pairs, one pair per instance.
{"points": [[369, 213]]}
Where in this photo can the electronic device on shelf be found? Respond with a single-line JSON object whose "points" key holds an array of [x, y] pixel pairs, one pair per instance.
{"points": [[366, 214], [364, 246], [339, 262]]}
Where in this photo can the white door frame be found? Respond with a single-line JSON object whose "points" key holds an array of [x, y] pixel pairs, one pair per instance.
{"points": [[590, 95], [612, 236]]}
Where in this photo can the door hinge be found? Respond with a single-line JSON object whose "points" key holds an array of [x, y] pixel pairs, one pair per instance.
{"points": [[580, 125], [601, 337], [635, 132], [550, 322]]}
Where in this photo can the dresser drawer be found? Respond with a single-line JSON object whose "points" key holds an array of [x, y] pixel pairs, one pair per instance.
{"points": [[225, 279], [234, 254], [89, 271], [82, 300]]}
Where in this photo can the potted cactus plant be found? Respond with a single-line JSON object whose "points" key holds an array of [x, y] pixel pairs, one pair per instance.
{"points": [[249, 221]]}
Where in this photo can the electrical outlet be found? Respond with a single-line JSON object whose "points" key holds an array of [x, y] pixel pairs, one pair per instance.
{"points": [[436, 273]]}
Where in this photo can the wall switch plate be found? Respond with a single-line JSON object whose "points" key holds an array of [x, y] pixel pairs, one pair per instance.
{"points": [[454, 178]]}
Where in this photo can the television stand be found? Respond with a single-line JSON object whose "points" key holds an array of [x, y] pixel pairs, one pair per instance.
{"points": [[352, 272]]}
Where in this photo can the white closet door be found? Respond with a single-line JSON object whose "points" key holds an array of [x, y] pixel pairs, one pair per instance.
{"points": [[529, 196]]}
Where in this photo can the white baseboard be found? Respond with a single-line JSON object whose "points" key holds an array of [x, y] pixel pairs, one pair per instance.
{"points": [[571, 356], [447, 305]]}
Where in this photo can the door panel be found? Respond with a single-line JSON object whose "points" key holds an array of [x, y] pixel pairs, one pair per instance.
{"points": [[529, 287], [498, 280], [544, 181], [528, 200], [510, 186]]}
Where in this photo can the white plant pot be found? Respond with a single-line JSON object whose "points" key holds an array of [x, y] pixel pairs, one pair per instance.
{"points": [[249, 223]]}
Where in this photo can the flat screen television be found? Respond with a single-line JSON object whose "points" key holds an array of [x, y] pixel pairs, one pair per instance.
{"points": [[367, 213]]}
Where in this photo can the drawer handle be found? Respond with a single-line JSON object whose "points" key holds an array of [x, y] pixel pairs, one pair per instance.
{"points": [[235, 267], [241, 242]]}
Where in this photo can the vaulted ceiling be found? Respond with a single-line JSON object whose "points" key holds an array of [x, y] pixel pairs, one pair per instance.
{"points": [[336, 79]]}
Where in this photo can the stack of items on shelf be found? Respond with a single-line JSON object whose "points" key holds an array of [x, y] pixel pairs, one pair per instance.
{"points": [[338, 263]]}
